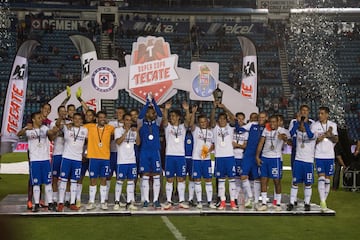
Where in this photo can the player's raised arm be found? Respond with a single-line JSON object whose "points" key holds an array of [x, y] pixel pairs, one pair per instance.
{"points": [[28, 126], [68, 96], [192, 118], [212, 115], [186, 107], [85, 107], [165, 119]]}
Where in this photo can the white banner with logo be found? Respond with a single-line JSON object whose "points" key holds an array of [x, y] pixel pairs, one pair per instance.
{"points": [[248, 87], [15, 100]]}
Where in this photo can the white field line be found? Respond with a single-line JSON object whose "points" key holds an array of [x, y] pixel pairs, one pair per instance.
{"points": [[177, 234]]}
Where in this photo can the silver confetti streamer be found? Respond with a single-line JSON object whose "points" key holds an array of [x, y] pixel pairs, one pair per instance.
{"points": [[313, 47], [5, 21]]}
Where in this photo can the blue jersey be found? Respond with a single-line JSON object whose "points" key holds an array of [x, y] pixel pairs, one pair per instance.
{"points": [[189, 143], [255, 131], [150, 130]]}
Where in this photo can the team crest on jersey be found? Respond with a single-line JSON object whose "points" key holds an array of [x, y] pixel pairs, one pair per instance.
{"points": [[121, 175], [92, 173], [152, 68], [204, 83], [103, 79], [35, 180]]}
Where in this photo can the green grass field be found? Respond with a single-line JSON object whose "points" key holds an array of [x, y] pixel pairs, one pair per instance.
{"points": [[345, 225]]}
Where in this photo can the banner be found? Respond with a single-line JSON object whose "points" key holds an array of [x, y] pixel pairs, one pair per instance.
{"points": [[248, 87], [86, 50], [16, 93]]}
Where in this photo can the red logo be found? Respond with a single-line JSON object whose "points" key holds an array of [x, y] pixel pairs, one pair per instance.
{"points": [[152, 68], [104, 79]]}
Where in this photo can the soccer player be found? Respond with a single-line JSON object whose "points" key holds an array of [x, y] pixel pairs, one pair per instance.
{"points": [[175, 163], [125, 139], [118, 123], [98, 152], [302, 114], [270, 150], [224, 155], [203, 144], [90, 117], [74, 137], [148, 122], [326, 138], [303, 166], [249, 166], [57, 152], [189, 144], [38, 136], [239, 144]]}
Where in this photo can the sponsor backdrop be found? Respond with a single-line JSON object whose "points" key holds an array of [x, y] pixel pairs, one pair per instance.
{"points": [[152, 68]]}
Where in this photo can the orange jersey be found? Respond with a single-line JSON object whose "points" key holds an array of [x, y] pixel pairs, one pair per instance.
{"points": [[99, 141]]}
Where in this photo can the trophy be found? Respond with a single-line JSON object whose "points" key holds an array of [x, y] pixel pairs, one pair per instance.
{"points": [[204, 151], [218, 94]]}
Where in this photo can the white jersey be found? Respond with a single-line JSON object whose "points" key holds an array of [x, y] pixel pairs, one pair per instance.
{"points": [[240, 138], [273, 145], [202, 138], [59, 140], [74, 142], [175, 140], [126, 151], [115, 124], [223, 138], [305, 147], [325, 148], [39, 144]]}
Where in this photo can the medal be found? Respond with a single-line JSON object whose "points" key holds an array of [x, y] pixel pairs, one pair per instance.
{"points": [[272, 147], [302, 145], [151, 137], [188, 141], [74, 143], [177, 140], [127, 145], [39, 145], [100, 144], [222, 144]]}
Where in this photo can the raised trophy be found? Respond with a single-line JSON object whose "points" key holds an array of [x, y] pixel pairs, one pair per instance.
{"points": [[218, 94]]}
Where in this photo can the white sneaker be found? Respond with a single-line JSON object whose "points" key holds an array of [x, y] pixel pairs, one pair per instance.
{"points": [[277, 208], [183, 205], [211, 205], [199, 205], [116, 207], [167, 205], [90, 206], [122, 204], [263, 207], [248, 204], [104, 206], [132, 207]]}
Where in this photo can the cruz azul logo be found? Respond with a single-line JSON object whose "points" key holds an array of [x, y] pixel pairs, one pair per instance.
{"points": [[152, 68], [103, 79]]}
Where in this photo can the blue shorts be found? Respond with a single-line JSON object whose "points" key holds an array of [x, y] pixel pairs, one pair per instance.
{"points": [[40, 172], [99, 168], [126, 171], [56, 164], [270, 168], [175, 165], [113, 164], [70, 169], [84, 166], [325, 166], [225, 167], [238, 163], [202, 169], [250, 168], [303, 172], [189, 165], [150, 162]]}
